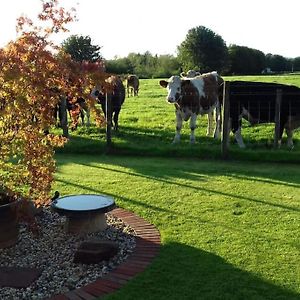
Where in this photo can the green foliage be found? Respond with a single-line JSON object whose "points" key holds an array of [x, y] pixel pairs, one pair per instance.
{"points": [[203, 50], [296, 64], [144, 65], [81, 49], [119, 66], [244, 60], [277, 63]]}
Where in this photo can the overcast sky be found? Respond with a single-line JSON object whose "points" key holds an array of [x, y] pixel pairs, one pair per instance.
{"points": [[124, 26]]}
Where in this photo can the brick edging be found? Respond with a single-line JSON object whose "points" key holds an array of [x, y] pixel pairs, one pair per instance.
{"points": [[147, 247]]}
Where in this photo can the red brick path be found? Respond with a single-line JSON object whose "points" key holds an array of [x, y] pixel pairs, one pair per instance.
{"points": [[147, 247]]}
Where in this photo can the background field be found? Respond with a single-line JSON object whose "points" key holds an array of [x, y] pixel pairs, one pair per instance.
{"points": [[147, 127], [229, 229]]}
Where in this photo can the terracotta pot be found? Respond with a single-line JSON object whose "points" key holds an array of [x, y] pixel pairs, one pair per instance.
{"points": [[9, 226]]}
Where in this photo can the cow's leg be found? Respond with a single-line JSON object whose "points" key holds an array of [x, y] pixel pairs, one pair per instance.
{"points": [[218, 127], [116, 119], [128, 91], [87, 112], [193, 120], [210, 123], [289, 133], [239, 138], [178, 127], [82, 116]]}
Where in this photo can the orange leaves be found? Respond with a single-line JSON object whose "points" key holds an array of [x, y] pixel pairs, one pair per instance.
{"points": [[57, 16], [32, 81]]}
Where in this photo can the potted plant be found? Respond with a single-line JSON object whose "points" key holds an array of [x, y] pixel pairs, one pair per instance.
{"points": [[9, 229], [33, 79]]}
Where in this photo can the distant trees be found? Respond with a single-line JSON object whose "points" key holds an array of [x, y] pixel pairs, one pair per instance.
{"points": [[244, 60], [80, 48], [203, 50], [278, 63], [296, 64], [145, 65]]}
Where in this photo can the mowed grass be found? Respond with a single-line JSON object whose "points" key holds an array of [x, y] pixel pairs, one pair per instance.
{"points": [[229, 229]]}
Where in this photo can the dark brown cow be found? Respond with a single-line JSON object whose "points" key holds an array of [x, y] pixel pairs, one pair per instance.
{"points": [[117, 98], [192, 97], [132, 85], [256, 102]]}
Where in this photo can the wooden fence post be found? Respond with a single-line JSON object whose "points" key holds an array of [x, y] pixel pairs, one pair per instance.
{"points": [[108, 121], [226, 120], [277, 117]]}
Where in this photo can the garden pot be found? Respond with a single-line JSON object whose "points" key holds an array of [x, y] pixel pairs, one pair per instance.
{"points": [[9, 225]]}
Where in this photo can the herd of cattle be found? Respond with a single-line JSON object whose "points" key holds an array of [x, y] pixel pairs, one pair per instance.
{"points": [[194, 94]]}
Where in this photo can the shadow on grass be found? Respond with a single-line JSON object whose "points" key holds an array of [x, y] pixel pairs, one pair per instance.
{"points": [[157, 142], [209, 277], [182, 174]]}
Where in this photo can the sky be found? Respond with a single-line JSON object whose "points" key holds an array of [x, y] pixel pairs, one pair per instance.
{"points": [[121, 27]]}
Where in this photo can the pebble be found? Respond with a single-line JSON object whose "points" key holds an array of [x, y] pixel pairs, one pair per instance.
{"points": [[53, 251]]}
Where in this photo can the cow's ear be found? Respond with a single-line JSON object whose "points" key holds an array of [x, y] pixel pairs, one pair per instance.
{"points": [[185, 82], [163, 83]]}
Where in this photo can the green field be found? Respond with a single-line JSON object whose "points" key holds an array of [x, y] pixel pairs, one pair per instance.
{"points": [[229, 229], [147, 127]]}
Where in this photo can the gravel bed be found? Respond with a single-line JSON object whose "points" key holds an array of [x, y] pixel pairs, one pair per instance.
{"points": [[53, 252]]}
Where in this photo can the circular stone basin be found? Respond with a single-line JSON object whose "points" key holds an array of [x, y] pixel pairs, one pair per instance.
{"points": [[85, 213]]}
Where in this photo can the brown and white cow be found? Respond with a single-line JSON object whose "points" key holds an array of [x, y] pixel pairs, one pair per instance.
{"points": [[132, 85], [193, 97], [210, 115]]}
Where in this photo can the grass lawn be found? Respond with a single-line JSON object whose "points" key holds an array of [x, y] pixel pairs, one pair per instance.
{"points": [[229, 229]]}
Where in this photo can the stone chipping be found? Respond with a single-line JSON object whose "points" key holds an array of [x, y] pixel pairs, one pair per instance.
{"points": [[53, 251]]}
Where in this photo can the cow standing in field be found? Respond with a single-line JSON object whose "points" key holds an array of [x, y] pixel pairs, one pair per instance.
{"points": [[256, 102], [193, 97], [132, 85], [210, 115], [117, 93]]}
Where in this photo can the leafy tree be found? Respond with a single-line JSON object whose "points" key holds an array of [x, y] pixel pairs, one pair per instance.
{"points": [[81, 49], [296, 63], [277, 63], [119, 66], [167, 65], [144, 65], [203, 50], [244, 60], [32, 81]]}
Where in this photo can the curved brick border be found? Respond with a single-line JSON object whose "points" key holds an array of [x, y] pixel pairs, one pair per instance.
{"points": [[147, 247]]}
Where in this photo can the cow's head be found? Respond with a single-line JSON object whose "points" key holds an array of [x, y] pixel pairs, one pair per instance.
{"points": [[174, 87]]}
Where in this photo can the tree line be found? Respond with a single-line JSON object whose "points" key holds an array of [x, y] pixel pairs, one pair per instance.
{"points": [[202, 50]]}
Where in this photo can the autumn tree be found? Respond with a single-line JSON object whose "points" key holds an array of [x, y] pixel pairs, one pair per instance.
{"points": [[33, 79]]}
